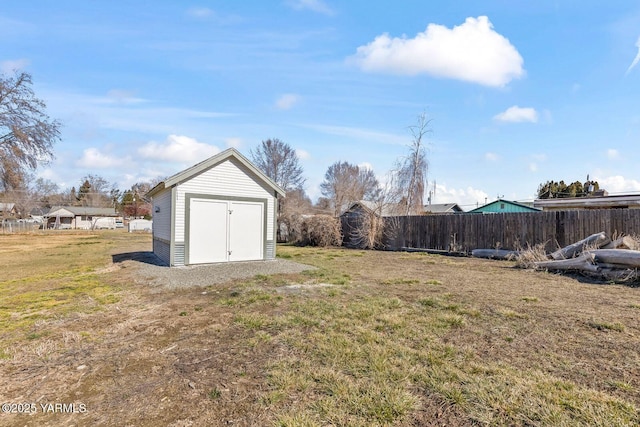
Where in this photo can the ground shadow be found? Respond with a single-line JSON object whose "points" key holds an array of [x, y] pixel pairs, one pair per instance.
{"points": [[587, 279], [146, 257], [591, 280]]}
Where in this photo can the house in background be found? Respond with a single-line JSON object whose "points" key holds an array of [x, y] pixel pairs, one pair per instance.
{"points": [[600, 200], [219, 210], [504, 206], [7, 210], [80, 217], [442, 208]]}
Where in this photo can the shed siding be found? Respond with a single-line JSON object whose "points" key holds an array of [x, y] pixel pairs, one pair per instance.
{"points": [[271, 249], [162, 250], [229, 178], [178, 255], [162, 219]]}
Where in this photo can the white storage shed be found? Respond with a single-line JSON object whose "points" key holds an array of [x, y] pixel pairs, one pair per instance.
{"points": [[222, 209]]}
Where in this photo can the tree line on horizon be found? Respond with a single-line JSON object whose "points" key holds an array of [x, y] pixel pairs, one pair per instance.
{"points": [[557, 190]]}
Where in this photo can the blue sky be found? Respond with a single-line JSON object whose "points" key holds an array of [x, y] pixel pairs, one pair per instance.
{"points": [[518, 92]]}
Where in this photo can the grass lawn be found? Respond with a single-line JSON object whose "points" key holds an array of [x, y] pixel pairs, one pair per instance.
{"points": [[368, 338]]}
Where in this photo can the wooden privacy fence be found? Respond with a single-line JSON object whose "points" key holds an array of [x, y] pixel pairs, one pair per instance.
{"points": [[465, 232]]}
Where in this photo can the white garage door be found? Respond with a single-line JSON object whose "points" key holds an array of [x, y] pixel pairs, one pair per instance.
{"points": [[221, 230], [245, 231], [208, 222]]}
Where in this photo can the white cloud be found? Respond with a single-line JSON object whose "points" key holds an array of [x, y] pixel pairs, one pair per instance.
{"points": [[365, 166], [92, 158], [302, 154], [468, 198], [537, 158], [287, 101], [360, 134], [314, 5], [636, 59], [199, 12], [617, 184], [119, 110], [11, 65], [233, 142], [613, 154], [492, 157], [517, 114], [178, 148], [471, 52], [53, 176], [120, 96]]}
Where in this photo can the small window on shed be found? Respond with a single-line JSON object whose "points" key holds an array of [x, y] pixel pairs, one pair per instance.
{"points": [[501, 205]]}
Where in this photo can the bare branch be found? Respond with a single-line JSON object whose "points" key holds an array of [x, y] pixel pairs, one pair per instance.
{"points": [[28, 134], [280, 163], [345, 183], [410, 175]]}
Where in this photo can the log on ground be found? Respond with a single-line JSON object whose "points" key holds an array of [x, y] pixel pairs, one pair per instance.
{"points": [[583, 262], [624, 257], [597, 240]]}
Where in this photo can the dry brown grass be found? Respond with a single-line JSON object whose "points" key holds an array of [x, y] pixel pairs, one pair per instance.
{"points": [[532, 254], [399, 339]]}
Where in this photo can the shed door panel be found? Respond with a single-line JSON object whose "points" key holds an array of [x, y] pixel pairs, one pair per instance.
{"points": [[246, 232], [208, 231]]}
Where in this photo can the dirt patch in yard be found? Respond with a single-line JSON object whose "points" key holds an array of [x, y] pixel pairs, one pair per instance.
{"points": [[395, 339]]}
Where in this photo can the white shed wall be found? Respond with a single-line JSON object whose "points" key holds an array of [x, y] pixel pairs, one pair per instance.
{"points": [[162, 219], [229, 178]]}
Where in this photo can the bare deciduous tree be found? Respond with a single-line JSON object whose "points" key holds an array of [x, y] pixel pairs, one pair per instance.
{"points": [[96, 191], [280, 163], [27, 134], [345, 183], [410, 175], [40, 194]]}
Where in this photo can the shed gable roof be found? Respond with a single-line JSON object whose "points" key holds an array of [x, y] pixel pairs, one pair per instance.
{"points": [[211, 162]]}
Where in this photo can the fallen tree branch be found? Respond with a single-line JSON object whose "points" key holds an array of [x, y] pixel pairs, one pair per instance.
{"points": [[625, 242], [624, 257], [583, 262], [595, 240]]}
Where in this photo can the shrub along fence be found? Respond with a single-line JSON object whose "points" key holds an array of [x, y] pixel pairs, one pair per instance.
{"points": [[465, 232]]}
